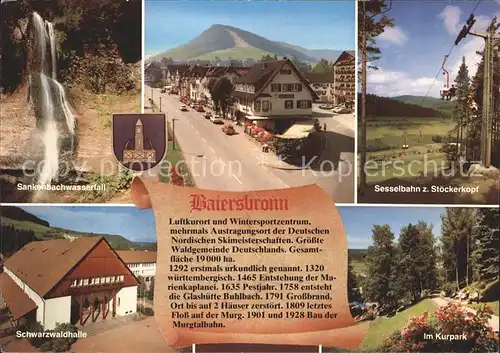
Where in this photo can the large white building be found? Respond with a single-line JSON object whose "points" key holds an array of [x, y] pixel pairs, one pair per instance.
{"points": [[273, 91], [68, 281], [141, 263]]}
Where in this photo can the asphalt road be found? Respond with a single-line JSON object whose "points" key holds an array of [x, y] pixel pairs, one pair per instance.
{"points": [[236, 163]]}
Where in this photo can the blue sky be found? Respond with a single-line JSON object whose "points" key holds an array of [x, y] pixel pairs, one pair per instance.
{"points": [[313, 25], [413, 51], [359, 221], [129, 222], [139, 225]]}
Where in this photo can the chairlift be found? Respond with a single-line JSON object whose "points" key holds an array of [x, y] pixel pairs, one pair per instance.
{"points": [[447, 92]]}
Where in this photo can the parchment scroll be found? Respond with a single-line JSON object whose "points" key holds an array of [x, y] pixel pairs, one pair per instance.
{"points": [[291, 243]]}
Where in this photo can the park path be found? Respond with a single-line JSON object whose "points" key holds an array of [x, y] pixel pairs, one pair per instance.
{"points": [[440, 302]]}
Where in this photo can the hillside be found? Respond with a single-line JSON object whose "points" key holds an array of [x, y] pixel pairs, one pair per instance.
{"points": [[227, 42], [318, 54], [389, 107], [46, 232], [19, 214], [429, 102]]}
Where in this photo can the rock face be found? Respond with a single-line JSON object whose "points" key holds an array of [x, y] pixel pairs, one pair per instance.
{"points": [[20, 142]]}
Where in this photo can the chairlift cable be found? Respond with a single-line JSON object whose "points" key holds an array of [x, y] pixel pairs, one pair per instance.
{"points": [[448, 55]]}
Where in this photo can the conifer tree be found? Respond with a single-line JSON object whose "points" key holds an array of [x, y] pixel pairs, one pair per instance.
{"points": [[380, 260]]}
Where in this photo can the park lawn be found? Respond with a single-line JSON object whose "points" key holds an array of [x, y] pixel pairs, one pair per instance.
{"points": [[383, 327], [359, 267]]}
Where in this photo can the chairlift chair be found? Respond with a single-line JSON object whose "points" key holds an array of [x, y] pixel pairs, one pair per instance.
{"points": [[447, 92]]}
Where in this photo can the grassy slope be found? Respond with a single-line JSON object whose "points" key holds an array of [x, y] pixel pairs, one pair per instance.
{"points": [[46, 233], [235, 53], [389, 131], [383, 327]]}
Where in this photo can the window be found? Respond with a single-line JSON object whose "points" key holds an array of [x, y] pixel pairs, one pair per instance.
{"points": [[256, 106], [296, 87], [265, 106], [147, 279], [97, 280], [304, 104], [73, 284], [118, 301], [112, 280], [275, 87], [108, 279], [285, 71], [80, 282], [103, 280], [289, 104], [121, 278], [86, 282], [286, 87]]}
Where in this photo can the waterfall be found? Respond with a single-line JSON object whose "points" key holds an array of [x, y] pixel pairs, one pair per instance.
{"points": [[54, 107], [52, 41], [41, 39], [50, 166]]}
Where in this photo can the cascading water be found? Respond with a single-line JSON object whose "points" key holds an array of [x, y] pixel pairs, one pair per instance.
{"points": [[53, 105], [52, 41]]}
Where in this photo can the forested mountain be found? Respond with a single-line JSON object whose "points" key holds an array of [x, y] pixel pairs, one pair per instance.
{"points": [[227, 42], [389, 107]]}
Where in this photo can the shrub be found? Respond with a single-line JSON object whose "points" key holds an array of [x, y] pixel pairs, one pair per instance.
{"points": [[437, 138], [447, 320], [449, 288], [176, 177]]}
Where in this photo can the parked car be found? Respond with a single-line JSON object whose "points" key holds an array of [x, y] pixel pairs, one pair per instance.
{"points": [[341, 110], [163, 90], [326, 106], [200, 109], [216, 119], [184, 108], [207, 115], [228, 129]]}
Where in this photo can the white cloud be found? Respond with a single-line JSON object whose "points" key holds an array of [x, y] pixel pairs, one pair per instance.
{"points": [[394, 35], [395, 83], [451, 19]]}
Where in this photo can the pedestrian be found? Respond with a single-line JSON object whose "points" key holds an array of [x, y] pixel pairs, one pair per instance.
{"points": [[324, 126]]}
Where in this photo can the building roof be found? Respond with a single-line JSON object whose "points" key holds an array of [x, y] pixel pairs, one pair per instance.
{"points": [[319, 77], [261, 75], [183, 68], [345, 55], [299, 130], [17, 301], [42, 264], [135, 257]]}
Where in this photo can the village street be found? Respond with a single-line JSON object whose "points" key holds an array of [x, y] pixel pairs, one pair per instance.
{"points": [[236, 163]]}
